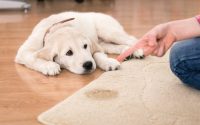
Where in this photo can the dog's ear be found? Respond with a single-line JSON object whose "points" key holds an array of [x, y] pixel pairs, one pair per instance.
{"points": [[47, 53], [94, 47]]}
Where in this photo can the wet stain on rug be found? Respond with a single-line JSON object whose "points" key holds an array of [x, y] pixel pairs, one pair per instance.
{"points": [[101, 94]]}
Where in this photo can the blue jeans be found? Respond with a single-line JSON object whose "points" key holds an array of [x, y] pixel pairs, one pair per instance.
{"points": [[185, 61]]}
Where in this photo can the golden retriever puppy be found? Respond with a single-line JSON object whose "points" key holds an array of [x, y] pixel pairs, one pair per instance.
{"points": [[75, 41]]}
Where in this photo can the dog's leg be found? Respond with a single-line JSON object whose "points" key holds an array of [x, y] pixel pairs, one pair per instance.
{"points": [[120, 38], [105, 63], [118, 49], [30, 60], [117, 36], [113, 48], [111, 31], [122, 42]]}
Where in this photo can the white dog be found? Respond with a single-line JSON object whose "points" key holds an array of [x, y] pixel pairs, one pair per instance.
{"points": [[75, 41]]}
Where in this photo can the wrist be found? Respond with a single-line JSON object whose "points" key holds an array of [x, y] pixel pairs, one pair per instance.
{"points": [[198, 18], [185, 29], [174, 30], [170, 30]]}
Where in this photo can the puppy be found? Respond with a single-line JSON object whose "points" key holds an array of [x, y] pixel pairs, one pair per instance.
{"points": [[75, 41]]}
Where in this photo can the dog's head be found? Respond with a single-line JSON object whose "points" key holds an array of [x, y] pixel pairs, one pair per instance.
{"points": [[70, 49]]}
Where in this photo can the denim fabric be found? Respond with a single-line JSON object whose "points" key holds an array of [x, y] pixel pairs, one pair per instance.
{"points": [[185, 61]]}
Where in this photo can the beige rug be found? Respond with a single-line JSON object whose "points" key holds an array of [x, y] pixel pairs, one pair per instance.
{"points": [[143, 92]]}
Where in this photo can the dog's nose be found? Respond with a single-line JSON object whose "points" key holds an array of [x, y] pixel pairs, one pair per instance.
{"points": [[87, 65]]}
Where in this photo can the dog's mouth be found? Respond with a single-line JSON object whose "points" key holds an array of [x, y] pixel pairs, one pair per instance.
{"points": [[82, 72], [88, 71]]}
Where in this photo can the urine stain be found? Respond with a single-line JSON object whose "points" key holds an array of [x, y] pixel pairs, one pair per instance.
{"points": [[101, 94]]}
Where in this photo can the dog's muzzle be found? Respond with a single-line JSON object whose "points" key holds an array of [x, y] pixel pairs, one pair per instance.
{"points": [[88, 66]]}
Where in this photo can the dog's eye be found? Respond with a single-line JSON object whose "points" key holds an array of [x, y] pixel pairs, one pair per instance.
{"points": [[85, 46], [69, 53]]}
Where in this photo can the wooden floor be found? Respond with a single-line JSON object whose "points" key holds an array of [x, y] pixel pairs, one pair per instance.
{"points": [[25, 93]]}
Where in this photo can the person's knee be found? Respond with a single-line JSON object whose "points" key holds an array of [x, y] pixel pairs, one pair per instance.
{"points": [[180, 54], [184, 74], [179, 66], [175, 60]]}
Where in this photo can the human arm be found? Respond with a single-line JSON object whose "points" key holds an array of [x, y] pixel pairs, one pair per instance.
{"points": [[159, 39]]}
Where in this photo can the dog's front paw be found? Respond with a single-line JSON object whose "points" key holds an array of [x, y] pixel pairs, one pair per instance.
{"points": [[111, 64], [50, 68], [139, 54]]}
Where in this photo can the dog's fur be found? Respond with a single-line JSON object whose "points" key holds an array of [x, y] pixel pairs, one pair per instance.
{"points": [[75, 41]]}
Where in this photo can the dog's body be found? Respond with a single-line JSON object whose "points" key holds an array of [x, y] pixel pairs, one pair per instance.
{"points": [[75, 41]]}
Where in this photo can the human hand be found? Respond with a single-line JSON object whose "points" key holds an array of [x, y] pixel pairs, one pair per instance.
{"points": [[157, 41]]}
